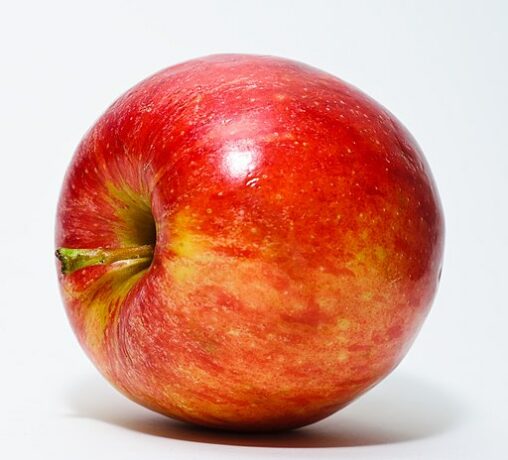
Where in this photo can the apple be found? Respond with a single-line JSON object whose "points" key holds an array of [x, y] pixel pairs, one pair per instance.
{"points": [[247, 243]]}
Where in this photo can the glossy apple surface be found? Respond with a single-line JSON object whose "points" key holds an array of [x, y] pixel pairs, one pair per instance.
{"points": [[252, 243]]}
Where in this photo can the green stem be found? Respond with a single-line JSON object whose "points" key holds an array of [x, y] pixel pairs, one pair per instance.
{"points": [[75, 259]]}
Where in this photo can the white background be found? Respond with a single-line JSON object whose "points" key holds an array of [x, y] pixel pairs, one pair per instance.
{"points": [[440, 66]]}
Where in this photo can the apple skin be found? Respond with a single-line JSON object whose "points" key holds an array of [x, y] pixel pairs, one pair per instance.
{"points": [[298, 244]]}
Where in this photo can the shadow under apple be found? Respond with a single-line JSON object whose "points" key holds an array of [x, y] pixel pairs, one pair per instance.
{"points": [[402, 408]]}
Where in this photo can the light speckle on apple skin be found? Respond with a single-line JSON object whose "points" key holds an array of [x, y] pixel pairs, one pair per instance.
{"points": [[288, 278]]}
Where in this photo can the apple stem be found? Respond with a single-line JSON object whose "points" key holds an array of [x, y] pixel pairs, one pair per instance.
{"points": [[75, 259]]}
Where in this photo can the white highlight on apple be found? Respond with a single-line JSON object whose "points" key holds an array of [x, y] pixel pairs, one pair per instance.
{"points": [[239, 159]]}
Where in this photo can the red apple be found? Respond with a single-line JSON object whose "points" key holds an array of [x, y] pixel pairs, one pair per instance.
{"points": [[247, 242]]}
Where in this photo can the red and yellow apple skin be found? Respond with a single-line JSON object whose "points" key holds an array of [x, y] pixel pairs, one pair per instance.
{"points": [[298, 242]]}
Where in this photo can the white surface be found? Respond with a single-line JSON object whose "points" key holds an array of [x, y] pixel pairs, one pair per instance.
{"points": [[441, 67]]}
